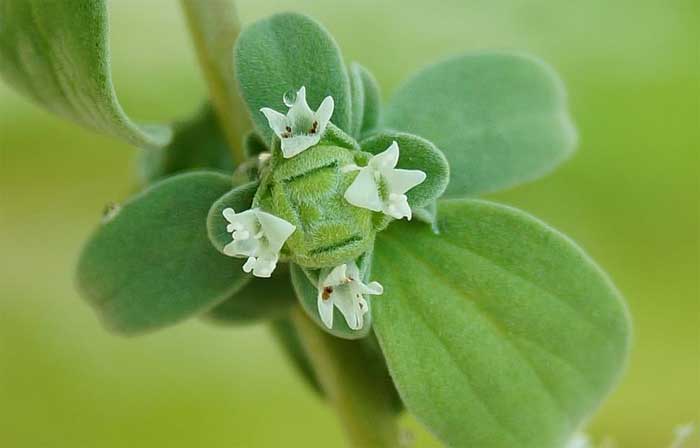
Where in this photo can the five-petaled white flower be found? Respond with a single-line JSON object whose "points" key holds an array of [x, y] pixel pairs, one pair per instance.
{"points": [[381, 187], [343, 288], [301, 128], [257, 235]]}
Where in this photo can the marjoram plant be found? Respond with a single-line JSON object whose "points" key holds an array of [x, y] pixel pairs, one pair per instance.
{"points": [[296, 198]]}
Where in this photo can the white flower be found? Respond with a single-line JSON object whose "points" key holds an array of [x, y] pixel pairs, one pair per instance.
{"points": [[343, 288], [257, 235], [301, 128], [381, 187]]}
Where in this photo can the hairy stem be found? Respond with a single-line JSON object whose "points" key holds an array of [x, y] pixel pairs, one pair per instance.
{"points": [[362, 403], [214, 28]]}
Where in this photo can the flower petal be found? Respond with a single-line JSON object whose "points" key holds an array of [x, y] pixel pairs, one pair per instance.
{"points": [[374, 288], [353, 272], [324, 113], [300, 114], [292, 146], [275, 229], [400, 181], [364, 192], [336, 277], [229, 214], [277, 121], [397, 206], [347, 302], [387, 159], [325, 310]]}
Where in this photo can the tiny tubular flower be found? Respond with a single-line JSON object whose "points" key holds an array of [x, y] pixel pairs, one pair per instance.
{"points": [[381, 187], [343, 288], [301, 128], [257, 235]]}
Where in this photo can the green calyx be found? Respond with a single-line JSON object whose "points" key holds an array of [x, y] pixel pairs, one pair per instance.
{"points": [[307, 191]]}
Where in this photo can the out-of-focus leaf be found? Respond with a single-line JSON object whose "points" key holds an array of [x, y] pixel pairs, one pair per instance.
{"points": [[288, 338], [57, 54], [260, 299], [499, 331], [151, 263], [198, 143]]}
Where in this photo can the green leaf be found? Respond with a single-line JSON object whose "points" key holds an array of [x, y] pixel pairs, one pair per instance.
{"points": [[260, 299], [501, 119], [415, 153], [307, 293], [151, 264], [500, 331], [366, 100], [239, 199], [283, 53], [198, 143], [288, 338], [254, 145], [57, 54]]}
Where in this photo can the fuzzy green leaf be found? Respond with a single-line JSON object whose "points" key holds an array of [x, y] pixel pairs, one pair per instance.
{"points": [[499, 332], [239, 199], [57, 54], [260, 299], [366, 100], [198, 143], [307, 293], [501, 119], [283, 53], [151, 263], [415, 153]]}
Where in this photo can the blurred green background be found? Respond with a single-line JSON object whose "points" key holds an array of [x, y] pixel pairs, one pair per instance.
{"points": [[629, 196]]}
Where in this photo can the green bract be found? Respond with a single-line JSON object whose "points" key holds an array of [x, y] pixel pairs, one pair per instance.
{"points": [[496, 330]]}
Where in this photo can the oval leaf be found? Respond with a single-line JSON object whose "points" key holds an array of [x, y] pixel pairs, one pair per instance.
{"points": [[57, 54], [501, 119], [283, 53], [152, 264], [415, 153], [498, 332]]}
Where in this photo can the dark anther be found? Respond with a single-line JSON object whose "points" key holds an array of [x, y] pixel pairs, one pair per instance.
{"points": [[327, 291], [314, 127]]}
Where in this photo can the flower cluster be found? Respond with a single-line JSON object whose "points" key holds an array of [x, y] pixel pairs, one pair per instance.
{"points": [[379, 186]]}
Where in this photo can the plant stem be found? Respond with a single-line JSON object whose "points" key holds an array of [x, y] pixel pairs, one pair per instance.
{"points": [[361, 401], [214, 28]]}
